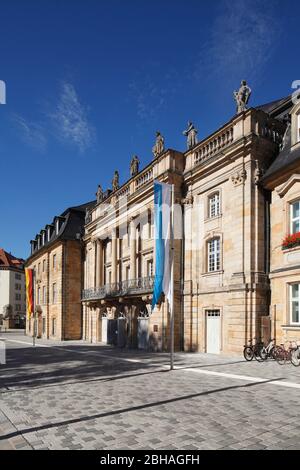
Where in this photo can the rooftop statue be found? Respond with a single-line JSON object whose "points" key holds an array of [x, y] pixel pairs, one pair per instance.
{"points": [[88, 216], [134, 165], [242, 97], [99, 194], [191, 134], [115, 181], [159, 146]]}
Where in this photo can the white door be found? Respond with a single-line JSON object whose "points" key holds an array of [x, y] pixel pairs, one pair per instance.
{"points": [[213, 331]]}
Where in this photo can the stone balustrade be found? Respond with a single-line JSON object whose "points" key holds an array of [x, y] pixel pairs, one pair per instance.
{"points": [[144, 178], [212, 145]]}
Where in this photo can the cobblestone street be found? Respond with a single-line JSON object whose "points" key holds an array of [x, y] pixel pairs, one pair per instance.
{"points": [[80, 396]]}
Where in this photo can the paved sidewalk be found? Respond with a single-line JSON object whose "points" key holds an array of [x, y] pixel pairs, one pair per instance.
{"points": [[75, 395]]}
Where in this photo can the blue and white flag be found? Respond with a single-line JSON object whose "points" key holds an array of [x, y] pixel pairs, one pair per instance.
{"points": [[162, 231]]}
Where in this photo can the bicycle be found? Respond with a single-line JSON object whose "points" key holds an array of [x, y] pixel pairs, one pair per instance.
{"points": [[285, 354], [295, 358], [269, 351], [253, 350]]}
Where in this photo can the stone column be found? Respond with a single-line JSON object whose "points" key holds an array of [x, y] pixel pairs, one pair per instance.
{"points": [[132, 235], [99, 263], [114, 263]]}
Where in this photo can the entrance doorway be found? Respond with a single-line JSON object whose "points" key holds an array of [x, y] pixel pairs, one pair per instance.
{"points": [[213, 331]]}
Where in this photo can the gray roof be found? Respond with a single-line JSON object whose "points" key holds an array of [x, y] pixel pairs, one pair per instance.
{"points": [[278, 108], [286, 159], [288, 156], [72, 224]]}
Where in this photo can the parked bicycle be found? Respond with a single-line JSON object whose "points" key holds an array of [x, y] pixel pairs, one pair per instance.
{"points": [[253, 350], [269, 351], [288, 352]]}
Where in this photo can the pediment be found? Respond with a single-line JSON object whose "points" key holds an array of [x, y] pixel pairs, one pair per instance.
{"points": [[283, 189]]}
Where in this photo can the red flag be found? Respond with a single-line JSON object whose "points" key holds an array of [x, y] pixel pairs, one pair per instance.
{"points": [[29, 290]]}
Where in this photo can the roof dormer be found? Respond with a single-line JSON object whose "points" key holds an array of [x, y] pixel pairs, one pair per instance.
{"points": [[58, 221], [295, 124], [43, 236], [49, 230]]}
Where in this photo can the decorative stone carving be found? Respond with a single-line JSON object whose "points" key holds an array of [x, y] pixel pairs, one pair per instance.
{"points": [[99, 194], [88, 216], [189, 199], [134, 165], [242, 97], [191, 134], [239, 177], [115, 181], [258, 172], [159, 146]]}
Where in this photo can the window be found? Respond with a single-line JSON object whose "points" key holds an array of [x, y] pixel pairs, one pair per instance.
{"points": [[295, 217], [150, 268], [54, 293], [127, 273], [39, 268], [44, 326], [44, 295], [294, 304], [54, 261], [18, 277], [214, 205], [44, 265], [39, 296], [214, 255], [18, 296], [57, 226], [53, 329]]}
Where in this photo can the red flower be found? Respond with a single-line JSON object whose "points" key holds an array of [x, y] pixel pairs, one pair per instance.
{"points": [[291, 240]]}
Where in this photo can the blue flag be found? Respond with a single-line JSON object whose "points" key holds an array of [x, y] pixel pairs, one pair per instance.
{"points": [[162, 208]]}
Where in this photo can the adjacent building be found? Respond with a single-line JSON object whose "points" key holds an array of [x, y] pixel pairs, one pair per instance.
{"points": [[282, 180], [56, 258], [12, 291]]}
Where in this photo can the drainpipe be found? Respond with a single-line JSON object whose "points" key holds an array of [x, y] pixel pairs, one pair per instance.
{"points": [[63, 297], [267, 197]]}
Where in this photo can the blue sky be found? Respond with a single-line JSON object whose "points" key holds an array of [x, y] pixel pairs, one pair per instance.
{"points": [[90, 81]]}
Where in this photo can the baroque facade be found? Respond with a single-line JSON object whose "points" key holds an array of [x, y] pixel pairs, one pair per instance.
{"points": [[56, 258], [221, 255]]}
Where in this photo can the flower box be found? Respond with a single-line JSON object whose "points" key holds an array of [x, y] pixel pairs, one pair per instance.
{"points": [[291, 241]]}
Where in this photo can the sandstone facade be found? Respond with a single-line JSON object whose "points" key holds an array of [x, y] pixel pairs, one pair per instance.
{"points": [[221, 281]]}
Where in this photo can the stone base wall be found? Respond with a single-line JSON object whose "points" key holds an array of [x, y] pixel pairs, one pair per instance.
{"points": [[240, 311]]}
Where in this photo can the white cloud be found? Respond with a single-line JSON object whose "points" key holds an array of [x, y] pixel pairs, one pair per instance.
{"points": [[150, 93], [70, 120], [241, 41], [32, 133]]}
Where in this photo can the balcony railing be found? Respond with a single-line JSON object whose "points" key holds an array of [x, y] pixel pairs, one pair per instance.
{"points": [[119, 289]]}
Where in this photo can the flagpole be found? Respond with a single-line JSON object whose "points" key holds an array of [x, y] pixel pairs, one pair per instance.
{"points": [[171, 306], [33, 307]]}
